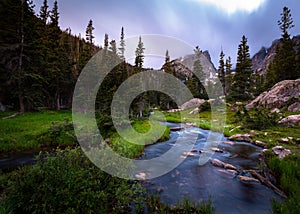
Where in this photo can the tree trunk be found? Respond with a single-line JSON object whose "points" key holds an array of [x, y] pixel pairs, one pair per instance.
{"points": [[20, 69]]}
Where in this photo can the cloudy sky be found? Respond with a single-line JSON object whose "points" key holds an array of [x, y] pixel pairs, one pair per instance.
{"points": [[209, 24]]}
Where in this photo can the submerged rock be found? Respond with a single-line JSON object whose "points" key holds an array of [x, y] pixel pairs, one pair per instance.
{"points": [[217, 150], [247, 179], [217, 163]]}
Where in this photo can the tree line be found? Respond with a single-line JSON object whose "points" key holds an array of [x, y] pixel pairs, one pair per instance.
{"points": [[243, 83], [40, 63]]}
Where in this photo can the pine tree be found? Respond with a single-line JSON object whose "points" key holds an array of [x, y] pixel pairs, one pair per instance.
{"points": [[221, 70], [44, 13], [90, 36], [283, 65], [139, 54], [241, 86], [122, 45], [199, 80], [228, 77], [286, 23]]}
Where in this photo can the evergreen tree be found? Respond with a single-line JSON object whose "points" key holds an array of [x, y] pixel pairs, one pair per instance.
{"points": [[242, 82], [106, 42], [122, 45], [90, 36], [228, 76], [139, 54], [285, 23], [283, 65], [221, 70], [44, 13]]}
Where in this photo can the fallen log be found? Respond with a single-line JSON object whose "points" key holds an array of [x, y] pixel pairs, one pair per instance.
{"points": [[266, 182]]}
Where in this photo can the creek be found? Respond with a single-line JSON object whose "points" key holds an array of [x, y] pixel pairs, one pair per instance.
{"points": [[197, 183]]}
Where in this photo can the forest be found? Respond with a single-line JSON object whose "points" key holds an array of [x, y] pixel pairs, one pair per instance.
{"points": [[40, 64]]}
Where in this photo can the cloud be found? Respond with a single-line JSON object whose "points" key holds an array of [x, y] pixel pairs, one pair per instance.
{"points": [[232, 6]]}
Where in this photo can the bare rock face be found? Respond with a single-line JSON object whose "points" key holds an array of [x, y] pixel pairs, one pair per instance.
{"points": [[292, 120], [262, 59], [279, 96], [195, 102]]}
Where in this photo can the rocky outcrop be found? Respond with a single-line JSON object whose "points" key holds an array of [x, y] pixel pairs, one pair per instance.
{"points": [[265, 56], [292, 120], [195, 102], [294, 107], [283, 94], [182, 67]]}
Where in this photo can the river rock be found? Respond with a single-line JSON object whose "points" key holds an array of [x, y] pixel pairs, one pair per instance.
{"points": [[252, 133], [176, 128], [281, 152], [228, 143], [217, 163], [141, 176], [247, 179], [241, 137], [195, 102], [260, 143], [190, 154], [284, 140], [290, 121], [230, 167], [279, 96], [217, 150]]}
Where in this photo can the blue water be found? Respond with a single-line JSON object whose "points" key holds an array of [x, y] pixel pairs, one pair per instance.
{"points": [[197, 183]]}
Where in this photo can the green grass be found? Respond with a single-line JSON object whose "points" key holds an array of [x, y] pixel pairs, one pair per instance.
{"points": [[31, 130], [287, 170], [146, 134]]}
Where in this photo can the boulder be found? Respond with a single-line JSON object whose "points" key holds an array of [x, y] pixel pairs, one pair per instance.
{"points": [[281, 152], [279, 96], [292, 120], [141, 176], [195, 102], [294, 107], [275, 110], [241, 137], [260, 143], [195, 111]]}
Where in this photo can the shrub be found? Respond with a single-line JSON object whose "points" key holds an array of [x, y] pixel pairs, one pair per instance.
{"points": [[68, 183], [257, 118]]}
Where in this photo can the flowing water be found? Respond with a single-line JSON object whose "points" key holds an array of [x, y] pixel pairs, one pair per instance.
{"points": [[192, 181], [197, 183]]}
